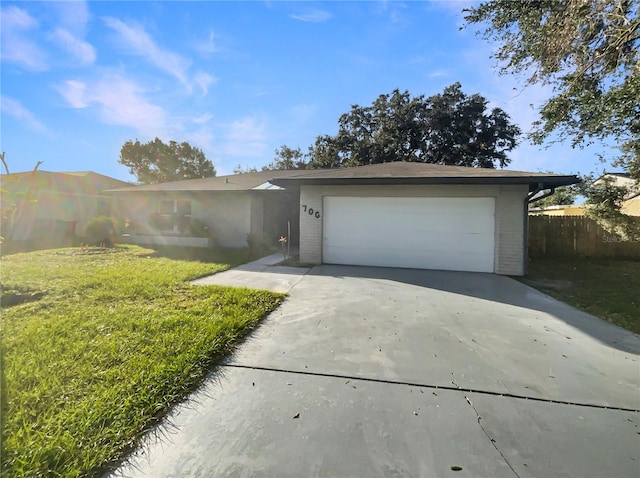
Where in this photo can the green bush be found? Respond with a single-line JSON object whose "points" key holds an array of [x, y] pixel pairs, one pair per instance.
{"points": [[199, 228], [100, 231], [259, 244]]}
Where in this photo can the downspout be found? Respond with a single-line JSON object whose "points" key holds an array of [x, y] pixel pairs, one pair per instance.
{"points": [[525, 250], [525, 235], [536, 191]]}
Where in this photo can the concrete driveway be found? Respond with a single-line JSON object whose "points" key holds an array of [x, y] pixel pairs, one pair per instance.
{"points": [[392, 372]]}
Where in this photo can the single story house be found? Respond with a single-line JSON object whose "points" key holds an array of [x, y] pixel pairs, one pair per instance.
{"points": [[228, 211], [398, 214], [54, 207], [417, 215]]}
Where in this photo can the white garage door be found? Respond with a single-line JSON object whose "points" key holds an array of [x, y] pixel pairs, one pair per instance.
{"points": [[423, 233]]}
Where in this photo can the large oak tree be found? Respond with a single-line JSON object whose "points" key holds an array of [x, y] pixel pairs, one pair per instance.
{"points": [[157, 162], [588, 51], [450, 128]]}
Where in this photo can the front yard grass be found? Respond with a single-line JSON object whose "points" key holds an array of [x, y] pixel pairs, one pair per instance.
{"points": [[114, 340], [606, 288]]}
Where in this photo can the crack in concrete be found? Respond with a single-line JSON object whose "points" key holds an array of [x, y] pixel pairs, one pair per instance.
{"points": [[435, 387], [491, 440]]}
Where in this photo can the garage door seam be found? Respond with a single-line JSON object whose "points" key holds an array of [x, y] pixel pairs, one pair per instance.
{"points": [[435, 387]]}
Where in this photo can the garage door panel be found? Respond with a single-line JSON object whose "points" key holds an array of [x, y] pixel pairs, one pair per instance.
{"points": [[436, 233]]}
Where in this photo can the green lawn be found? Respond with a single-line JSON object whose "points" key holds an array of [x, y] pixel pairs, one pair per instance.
{"points": [[609, 289], [116, 339]]}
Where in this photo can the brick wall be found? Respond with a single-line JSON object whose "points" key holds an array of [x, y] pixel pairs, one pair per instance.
{"points": [[510, 230]]}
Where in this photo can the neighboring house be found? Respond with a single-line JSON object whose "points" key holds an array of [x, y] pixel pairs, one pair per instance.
{"points": [[417, 215], [619, 179], [631, 205], [54, 207], [227, 211], [558, 210]]}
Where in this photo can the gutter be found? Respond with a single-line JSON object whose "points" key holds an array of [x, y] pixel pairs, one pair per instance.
{"points": [[538, 188]]}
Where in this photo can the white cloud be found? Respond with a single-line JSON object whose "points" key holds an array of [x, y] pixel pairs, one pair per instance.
{"points": [[75, 92], [72, 15], [303, 112], [246, 137], [15, 109], [17, 46], [209, 46], [138, 42], [82, 51], [438, 73], [202, 119], [204, 80], [313, 16], [203, 139], [118, 101]]}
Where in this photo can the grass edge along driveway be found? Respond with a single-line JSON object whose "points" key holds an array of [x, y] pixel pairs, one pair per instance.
{"points": [[117, 338], [606, 288]]}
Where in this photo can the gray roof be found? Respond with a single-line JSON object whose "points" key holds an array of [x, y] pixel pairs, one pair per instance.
{"points": [[77, 182], [383, 173], [422, 173], [234, 182]]}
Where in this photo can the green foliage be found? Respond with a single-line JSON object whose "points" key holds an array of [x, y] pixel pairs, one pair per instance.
{"points": [[450, 128], [563, 195], [287, 158], [199, 228], [240, 169], [157, 162], [117, 339], [100, 231], [604, 204], [588, 51], [259, 244]]}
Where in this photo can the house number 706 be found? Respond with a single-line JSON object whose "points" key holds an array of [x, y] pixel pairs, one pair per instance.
{"points": [[310, 211]]}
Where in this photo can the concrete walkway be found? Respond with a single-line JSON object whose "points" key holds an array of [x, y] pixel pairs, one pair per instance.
{"points": [[372, 372], [260, 274]]}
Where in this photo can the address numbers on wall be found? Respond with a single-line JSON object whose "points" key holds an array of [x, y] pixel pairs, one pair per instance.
{"points": [[310, 211]]}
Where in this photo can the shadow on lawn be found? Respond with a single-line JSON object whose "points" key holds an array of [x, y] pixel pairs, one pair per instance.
{"points": [[218, 255]]}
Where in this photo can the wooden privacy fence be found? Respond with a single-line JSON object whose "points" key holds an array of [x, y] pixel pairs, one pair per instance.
{"points": [[563, 236]]}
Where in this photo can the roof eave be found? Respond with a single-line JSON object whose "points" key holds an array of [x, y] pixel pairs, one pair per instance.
{"points": [[542, 182]]}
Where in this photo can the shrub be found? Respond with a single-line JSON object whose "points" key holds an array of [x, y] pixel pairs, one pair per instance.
{"points": [[258, 244], [199, 228], [100, 231]]}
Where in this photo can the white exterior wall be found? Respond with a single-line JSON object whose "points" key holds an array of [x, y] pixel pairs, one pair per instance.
{"points": [[510, 219], [227, 214]]}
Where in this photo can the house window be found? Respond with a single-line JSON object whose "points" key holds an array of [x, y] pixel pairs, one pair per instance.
{"points": [[174, 215]]}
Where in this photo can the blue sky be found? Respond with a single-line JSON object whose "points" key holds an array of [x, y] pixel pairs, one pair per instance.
{"points": [[236, 79]]}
